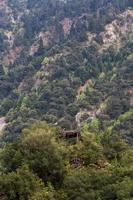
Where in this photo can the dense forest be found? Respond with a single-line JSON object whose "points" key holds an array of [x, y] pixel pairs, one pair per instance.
{"points": [[42, 166], [66, 65]]}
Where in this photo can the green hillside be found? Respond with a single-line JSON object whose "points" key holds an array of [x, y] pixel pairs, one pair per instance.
{"points": [[66, 62], [66, 99]]}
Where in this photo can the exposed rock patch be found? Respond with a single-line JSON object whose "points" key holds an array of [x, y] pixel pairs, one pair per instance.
{"points": [[2, 123], [10, 37], [34, 48], [66, 24], [12, 55], [45, 36], [118, 30], [83, 88]]}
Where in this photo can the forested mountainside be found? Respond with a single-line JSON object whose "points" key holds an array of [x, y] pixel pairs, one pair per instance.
{"points": [[66, 99], [68, 63]]}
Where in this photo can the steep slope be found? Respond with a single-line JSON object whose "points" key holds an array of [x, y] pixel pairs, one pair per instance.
{"points": [[66, 62]]}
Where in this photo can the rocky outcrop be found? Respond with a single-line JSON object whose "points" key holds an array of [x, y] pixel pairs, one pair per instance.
{"points": [[2, 124], [116, 32], [12, 55], [66, 24], [82, 89]]}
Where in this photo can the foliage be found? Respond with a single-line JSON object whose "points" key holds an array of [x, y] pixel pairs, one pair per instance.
{"points": [[20, 184], [43, 84], [41, 166], [57, 63]]}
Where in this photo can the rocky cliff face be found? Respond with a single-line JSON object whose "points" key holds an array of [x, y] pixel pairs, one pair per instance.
{"points": [[52, 49], [119, 30]]}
